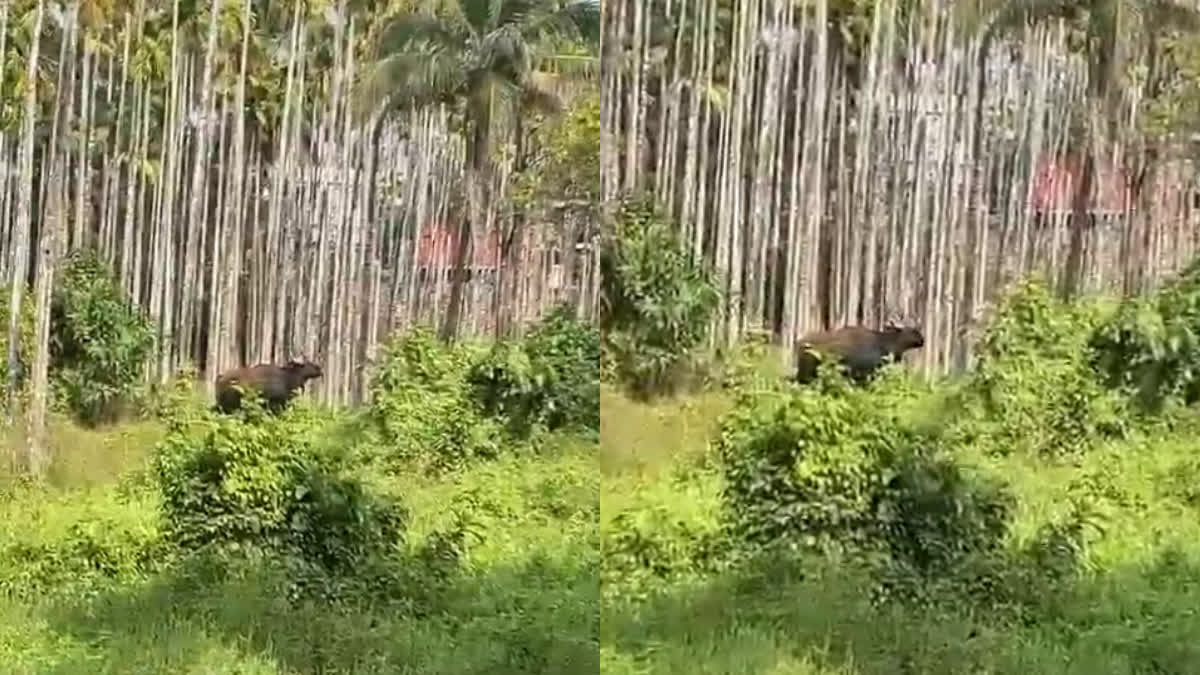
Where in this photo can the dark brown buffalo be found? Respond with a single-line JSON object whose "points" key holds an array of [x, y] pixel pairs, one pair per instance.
{"points": [[861, 350], [277, 385]]}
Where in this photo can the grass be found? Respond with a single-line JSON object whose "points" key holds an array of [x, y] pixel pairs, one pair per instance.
{"points": [[83, 457], [1129, 608], [524, 599], [593, 559]]}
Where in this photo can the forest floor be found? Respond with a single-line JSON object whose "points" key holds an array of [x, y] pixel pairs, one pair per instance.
{"points": [[548, 586], [1131, 608], [524, 600]]}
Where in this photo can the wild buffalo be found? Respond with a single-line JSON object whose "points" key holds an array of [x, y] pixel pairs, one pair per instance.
{"points": [[861, 350], [277, 385]]}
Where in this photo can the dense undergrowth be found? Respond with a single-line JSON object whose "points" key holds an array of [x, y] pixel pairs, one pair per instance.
{"points": [[1036, 514], [449, 526], [555, 504], [99, 344]]}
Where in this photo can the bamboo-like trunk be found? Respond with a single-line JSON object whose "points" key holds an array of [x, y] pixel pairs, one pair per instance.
{"points": [[18, 261]]}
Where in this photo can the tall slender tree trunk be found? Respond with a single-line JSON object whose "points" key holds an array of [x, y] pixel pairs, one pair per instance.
{"points": [[20, 245], [511, 251], [476, 178], [1080, 203]]}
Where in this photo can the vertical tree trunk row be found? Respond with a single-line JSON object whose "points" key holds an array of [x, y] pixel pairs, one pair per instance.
{"points": [[247, 236], [912, 175]]}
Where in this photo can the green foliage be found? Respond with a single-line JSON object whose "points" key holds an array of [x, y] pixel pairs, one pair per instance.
{"points": [[933, 515], [751, 363], [836, 465], [421, 405], [807, 466], [274, 483], [1172, 113], [841, 468], [1150, 347], [551, 378], [178, 401], [99, 342], [564, 164], [459, 57], [658, 303], [1033, 389], [24, 348], [71, 545]]}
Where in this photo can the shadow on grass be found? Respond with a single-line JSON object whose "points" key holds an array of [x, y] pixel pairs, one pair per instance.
{"points": [[540, 617], [548, 616], [778, 617]]}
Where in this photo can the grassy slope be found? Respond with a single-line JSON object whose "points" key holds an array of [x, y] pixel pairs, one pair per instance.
{"points": [[1132, 609], [530, 598], [526, 602]]}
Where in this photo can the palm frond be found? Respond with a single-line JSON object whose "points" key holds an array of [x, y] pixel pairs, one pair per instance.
{"points": [[400, 33], [582, 66], [576, 21], [409, 79], [480, 15], [503, 51], [1167, 14], [1019, 13]]}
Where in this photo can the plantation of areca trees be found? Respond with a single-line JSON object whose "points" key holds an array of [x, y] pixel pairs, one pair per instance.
{"points": [[1016, 178], [839, 162], [406, 194], [277, 179]]}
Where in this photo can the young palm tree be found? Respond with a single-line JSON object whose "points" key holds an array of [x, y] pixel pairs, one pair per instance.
{"points": [[481, 56], [1114, 31]]}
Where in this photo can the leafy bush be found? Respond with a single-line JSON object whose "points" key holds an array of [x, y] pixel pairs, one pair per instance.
{"points": [[99, 342], [175, 401], [1033, 389], [750, 363], [657, 301], [417, 359], [837, 467], [563, 164], [934, 516], [273, 483], [422, 408], [1150, 347], [550, 378], [77, 544], [643, 546]]}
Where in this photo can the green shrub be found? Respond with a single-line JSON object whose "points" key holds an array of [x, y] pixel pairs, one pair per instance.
{"points": [[934, 516], [1150, 347], [175, 401], [809, 464], [657, 302], [750, 363], [99, 342], [838, 467], [1033, 389], [418, 360], [421, 406], [275, 483], [551, 378], [643, 546], [77, 544]]}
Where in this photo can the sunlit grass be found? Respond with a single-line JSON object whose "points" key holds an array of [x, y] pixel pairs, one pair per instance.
{"points": [[525, 598], [1130, 609]]}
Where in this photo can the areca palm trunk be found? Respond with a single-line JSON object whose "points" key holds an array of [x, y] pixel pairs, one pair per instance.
{"points": [[476, 180], [19, 249], [1073, 271], [510, 263]]}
